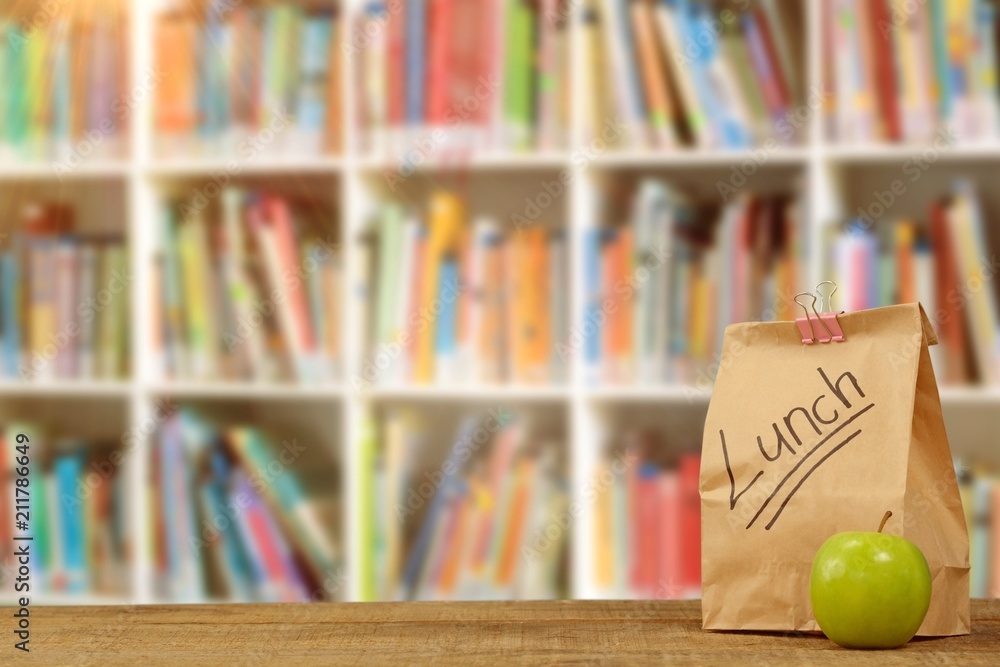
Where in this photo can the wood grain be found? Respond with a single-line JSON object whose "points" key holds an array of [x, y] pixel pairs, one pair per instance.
{"points": [[452, 633]]}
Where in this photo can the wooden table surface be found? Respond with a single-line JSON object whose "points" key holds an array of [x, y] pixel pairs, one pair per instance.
{"points": [[445, 633]]}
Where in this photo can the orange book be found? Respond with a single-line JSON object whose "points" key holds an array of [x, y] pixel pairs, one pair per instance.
{"points": [[453, 560], [654, 75], [995, 547], [514, 525], [530, 274], [175, 42], [447, 214], [618, 340], [906, 281], [540, 344], [511, 308]]}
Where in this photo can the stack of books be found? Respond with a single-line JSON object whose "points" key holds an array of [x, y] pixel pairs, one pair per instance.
{"points": [[248, 290], [77, 517], [661, 288], [685, 73], [229, 518], [456, 302], [249, 80], [491, 522], [438, 76], [64, 96], [942, 263], [899, 71], [980, 491], [64, 300], [647, 522]]}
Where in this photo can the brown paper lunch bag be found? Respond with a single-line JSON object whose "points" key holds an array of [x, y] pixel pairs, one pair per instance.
{"points": [[804, 441]]}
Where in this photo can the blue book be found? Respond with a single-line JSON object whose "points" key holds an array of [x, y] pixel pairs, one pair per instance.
{"points": [[445, 333], [10, 312], [592, 293], [67, 469], [236, 567], [688, 27], [216, 48], [701, 27], [316, 34], [416, 48], [171, 460]]}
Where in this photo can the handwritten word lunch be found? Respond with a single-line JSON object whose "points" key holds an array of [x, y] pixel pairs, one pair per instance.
{"points": [[828, 417]]}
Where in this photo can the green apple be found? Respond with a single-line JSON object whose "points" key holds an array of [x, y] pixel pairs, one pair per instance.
{"points": [[869, 590]]}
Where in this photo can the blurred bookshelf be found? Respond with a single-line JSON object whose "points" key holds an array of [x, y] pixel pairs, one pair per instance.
{"points": [[347, 185]]}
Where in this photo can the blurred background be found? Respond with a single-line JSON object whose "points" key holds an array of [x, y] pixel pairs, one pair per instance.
{"points": [[422, 299]]}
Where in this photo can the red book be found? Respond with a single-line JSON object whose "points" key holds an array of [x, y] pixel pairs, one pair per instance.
{"points": [[885, 73], [439, 60], [781, 85], [690, 521], [465, 58], [948, 318], [395, 63], [281, 218], [645, 533], [670, 585]]}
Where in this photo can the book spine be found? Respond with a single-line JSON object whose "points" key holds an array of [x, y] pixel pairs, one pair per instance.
{"points": [[67, 470], [67, 297], [416, 33]]}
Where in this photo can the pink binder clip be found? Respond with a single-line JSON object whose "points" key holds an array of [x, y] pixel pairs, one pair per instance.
{"points": [[829, 325]]}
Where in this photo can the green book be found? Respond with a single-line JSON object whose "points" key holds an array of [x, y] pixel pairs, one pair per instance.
{"points": [[939, 27], [390, 241], [736, 52], [112, 330], [14, 60], [293, 507], [519, 72], [367, 446]]}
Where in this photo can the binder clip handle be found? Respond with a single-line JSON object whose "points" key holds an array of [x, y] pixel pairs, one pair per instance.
{"points": [[825, 300]]}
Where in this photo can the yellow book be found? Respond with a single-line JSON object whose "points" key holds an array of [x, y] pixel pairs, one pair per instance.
{"points": [[192, 245], [395, 429], [369, 520], [41, 307], [446, 217], [604, 575], [700, 317]]}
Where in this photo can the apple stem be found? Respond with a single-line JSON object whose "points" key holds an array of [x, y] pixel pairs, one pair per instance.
{"points": [[884, 519]]}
